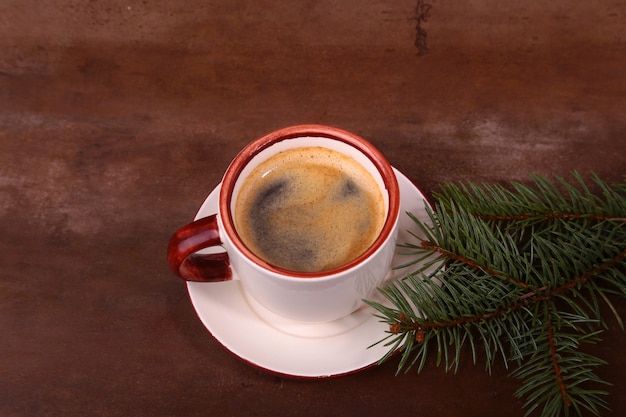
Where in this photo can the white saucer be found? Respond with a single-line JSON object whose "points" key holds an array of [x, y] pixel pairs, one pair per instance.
{"points": [[294, 349]]}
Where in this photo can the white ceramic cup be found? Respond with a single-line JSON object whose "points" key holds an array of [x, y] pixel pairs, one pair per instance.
{"points": [[301, 296]]}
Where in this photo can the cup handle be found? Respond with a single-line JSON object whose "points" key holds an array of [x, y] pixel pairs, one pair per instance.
{"points": [[189, 265]]}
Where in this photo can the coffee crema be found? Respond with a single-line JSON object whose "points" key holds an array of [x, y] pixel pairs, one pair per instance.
{"points": [[309, 209]]}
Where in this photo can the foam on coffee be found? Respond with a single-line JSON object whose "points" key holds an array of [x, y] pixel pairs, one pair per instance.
{"points": [[309, 209]]}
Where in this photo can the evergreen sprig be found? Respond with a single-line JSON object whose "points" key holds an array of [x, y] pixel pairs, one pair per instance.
{"points": [[517, 272]]}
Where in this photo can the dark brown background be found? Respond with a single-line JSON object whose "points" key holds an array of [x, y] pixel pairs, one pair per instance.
{"points": [[118, 117]]}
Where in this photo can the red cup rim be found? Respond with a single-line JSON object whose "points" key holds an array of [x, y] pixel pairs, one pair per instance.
{"points": [[312, 130]]}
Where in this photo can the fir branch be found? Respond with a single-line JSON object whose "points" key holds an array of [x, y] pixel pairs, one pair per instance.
{"points": [[542, 202], [554, 373], [517, 272]]}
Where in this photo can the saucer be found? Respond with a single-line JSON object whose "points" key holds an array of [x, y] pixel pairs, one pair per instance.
{"points": [[295, 349]]}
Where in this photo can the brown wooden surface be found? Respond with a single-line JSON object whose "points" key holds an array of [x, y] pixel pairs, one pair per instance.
{"points": [[118, 117]]}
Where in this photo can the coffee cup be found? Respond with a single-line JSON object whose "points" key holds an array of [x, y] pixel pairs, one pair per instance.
{"points": [[307, 218]]}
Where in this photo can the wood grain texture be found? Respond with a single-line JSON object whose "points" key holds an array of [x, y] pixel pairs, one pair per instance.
{"points": [[117, 118]]}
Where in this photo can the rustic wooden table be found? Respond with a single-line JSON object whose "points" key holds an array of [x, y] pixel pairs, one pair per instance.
{"points": [[117, 118]]}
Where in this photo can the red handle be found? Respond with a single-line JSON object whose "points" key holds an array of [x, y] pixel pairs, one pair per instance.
{"points": [[192, 266]]}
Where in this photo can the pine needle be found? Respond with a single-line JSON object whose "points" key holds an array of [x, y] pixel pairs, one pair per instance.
{"points": [[518, 273]]}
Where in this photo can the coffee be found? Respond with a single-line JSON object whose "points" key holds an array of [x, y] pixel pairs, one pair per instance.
{"points": [[309, 209]]}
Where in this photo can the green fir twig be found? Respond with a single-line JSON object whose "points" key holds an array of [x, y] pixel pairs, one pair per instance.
{"points": [[517, 272]]}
